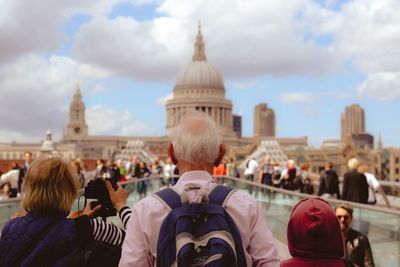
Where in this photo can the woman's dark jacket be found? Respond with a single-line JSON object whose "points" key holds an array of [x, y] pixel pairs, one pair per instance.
{"points": [[42, 240]]}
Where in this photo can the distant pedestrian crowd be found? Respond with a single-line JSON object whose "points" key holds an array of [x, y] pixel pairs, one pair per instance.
{"points": [[359, 185]]}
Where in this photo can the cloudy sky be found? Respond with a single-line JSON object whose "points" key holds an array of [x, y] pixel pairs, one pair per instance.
{"points": [[306, 59]]}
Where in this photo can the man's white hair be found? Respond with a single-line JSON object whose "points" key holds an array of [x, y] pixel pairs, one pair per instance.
{"points": [[196, 139]]}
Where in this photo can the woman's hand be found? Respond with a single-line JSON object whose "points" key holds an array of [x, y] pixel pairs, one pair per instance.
{"points": [[91, 210], [118, 197]]}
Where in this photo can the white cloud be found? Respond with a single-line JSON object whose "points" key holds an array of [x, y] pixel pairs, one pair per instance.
{"points": [[103, 120], [382, 86], [7, 136], [245, 84], [162, 101], [265, 32], [298, 97], [273, 36], [137, 49], [28, 26], [370, 36], [364, 32], [35, 91]]}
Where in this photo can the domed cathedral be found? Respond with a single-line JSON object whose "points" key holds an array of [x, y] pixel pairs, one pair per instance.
{"points": [[77, 128], [199, 86]]}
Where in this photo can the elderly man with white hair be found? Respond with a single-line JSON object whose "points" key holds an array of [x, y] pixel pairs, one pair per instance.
{"points": [[196, 147], [355, 186]]}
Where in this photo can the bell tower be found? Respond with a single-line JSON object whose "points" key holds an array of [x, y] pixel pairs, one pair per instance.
{"points": [[77, 128]]}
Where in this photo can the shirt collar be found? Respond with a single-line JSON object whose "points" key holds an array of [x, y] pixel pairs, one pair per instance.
{"points": [[202, 178]]}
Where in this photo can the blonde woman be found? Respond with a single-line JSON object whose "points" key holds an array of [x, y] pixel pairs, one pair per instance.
{"points": [[44, 236], [355, 186]]}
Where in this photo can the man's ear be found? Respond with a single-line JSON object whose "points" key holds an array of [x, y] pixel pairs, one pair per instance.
{"points": [[222, 150], [171, 154]]}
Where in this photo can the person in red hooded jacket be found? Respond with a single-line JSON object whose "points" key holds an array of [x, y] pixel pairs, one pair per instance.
{"points": [[314, 236]]}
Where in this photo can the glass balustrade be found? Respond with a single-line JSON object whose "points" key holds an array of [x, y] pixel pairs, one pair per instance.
{"points": [[7, 209]]}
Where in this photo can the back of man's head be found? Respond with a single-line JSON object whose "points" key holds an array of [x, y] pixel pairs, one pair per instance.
{"points": [[196, 139]]}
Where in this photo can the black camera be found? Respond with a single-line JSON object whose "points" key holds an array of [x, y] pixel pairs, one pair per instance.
{"points": [[97, 189]]}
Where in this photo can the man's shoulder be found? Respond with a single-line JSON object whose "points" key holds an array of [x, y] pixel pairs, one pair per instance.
{"points": [[241, 199], [356, 234], [331, 172], [149, 201]]}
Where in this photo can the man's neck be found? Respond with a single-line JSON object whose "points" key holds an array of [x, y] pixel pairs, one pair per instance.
{"points": [[345, 232], [187, 167]]}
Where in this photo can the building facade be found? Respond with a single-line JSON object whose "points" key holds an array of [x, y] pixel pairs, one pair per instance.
{"points": [[352, 121], [264, 121], [237, 125]]}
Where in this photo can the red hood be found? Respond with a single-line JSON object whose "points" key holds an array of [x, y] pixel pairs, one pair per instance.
{"points": [[313, 231]]}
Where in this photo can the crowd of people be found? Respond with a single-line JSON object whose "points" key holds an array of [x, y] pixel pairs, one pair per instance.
{"points": [[359, 185], [224, 227]]}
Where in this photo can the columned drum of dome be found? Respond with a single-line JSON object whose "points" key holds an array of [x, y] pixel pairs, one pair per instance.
{"points": [[199, 86]]}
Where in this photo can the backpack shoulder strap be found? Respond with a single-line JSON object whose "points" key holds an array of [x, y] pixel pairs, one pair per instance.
{"points": [[220, 194], [169, 198]]}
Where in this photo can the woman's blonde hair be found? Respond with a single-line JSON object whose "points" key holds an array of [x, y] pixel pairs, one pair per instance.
{"points": [[363, 168], [353, 163], [305, 167], [50, 186]]}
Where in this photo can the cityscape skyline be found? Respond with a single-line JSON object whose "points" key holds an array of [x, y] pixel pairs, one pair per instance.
{"points": [[297, 58]]}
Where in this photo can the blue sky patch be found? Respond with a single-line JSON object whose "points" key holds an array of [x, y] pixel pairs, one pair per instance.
{"points": [[139, 13]]}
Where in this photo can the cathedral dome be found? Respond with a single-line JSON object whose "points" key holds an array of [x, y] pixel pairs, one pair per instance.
{"points": [[199, 86], [199, 74]]}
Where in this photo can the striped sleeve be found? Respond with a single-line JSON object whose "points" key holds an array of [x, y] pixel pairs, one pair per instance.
{"points": [[125, 215], [107, 232]]}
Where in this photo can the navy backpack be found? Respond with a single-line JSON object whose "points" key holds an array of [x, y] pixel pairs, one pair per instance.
{"points": [[199, 234]]}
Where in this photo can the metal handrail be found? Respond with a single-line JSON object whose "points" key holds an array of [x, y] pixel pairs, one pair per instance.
{"points": [[258, 185]]}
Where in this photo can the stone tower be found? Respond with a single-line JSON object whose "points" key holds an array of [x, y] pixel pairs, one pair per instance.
{"points": [[264, 121], [352, 121], [77, 128]]}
